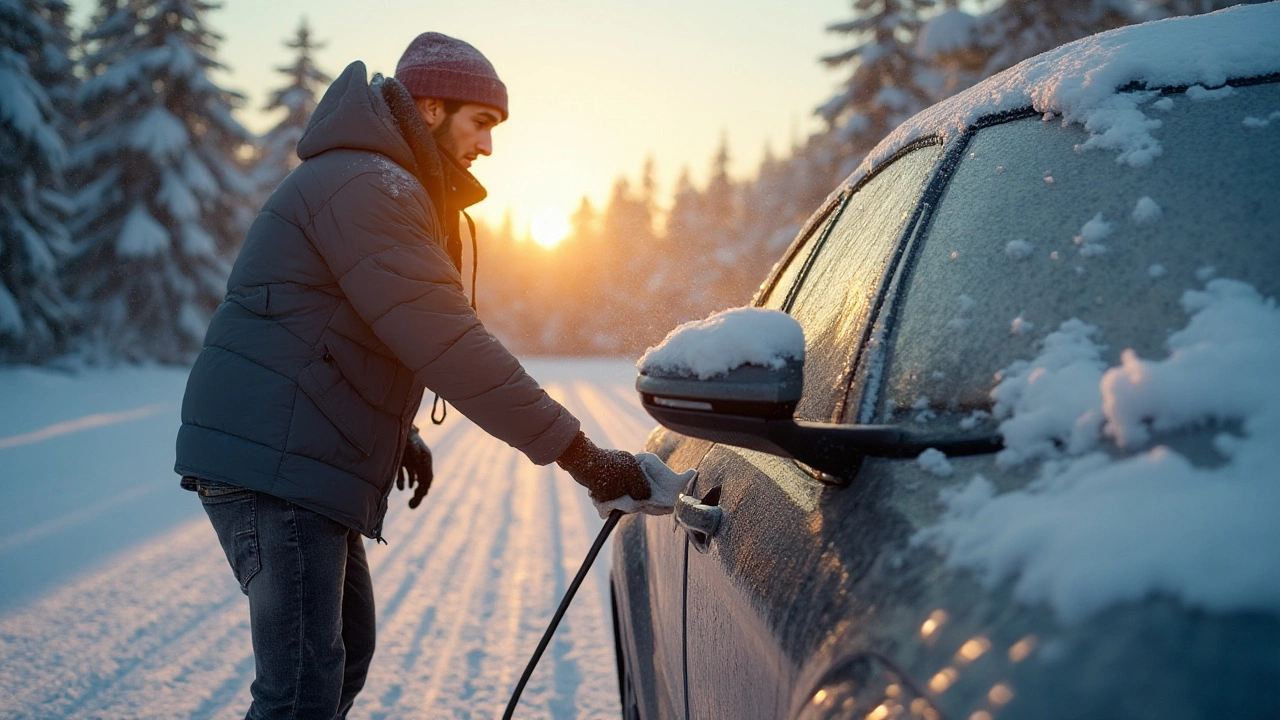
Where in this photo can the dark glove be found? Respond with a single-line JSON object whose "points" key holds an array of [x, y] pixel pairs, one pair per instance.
{"points": [[606, 474], [415, 468]]}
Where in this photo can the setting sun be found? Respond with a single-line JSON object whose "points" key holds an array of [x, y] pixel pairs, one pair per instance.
{"points": [[549, 226]]}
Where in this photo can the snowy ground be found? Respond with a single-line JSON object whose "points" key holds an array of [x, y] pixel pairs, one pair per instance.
{"points": [[116, 600]]}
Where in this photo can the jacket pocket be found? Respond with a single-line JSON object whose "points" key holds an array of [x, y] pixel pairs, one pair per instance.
{"points": [[322, 381], [370, 374]]}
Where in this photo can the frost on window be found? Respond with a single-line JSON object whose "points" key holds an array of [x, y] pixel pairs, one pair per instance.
{"points": [[834, 300], [1216, 184]]}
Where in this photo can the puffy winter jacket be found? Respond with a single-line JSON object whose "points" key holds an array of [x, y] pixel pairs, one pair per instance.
{"points": [[343, 304]]}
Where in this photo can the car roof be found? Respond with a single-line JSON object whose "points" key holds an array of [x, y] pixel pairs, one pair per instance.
{"points": [[1082, 81]]}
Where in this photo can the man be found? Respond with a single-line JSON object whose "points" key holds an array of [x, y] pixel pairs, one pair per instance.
{"points": [[344, 303]]}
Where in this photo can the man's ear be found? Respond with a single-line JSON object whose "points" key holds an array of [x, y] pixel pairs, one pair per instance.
{"points": [[431, 110]]}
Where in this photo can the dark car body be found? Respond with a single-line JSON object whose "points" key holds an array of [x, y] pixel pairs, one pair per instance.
{"points": [[809, 598]]}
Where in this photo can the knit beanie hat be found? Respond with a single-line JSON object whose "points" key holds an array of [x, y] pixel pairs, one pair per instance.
{"points": [[436, 65]]}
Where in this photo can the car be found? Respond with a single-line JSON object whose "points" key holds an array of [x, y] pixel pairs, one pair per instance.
{"points": [[1029, 463]]}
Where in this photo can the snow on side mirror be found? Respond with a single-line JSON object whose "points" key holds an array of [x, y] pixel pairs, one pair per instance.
{"points": [[736, 378], [745, 363]]}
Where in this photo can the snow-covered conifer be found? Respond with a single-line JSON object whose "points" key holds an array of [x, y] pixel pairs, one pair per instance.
{"points": [[162, 201], [626, 247], [34, 314], [298, 100], [720, 201], [54, 69], [769, 219], [950, 44], [1019, 29], [885, 85], [1156, 9]]}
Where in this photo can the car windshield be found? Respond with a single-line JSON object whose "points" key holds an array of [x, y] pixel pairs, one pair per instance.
{"points": [[1033, 231]]}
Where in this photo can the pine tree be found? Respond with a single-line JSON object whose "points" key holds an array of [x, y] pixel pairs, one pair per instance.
{"points": [[625, 225], [720, 202], [162, 201], [950, 44], [1019, 29], [769, 222], [886, 85], [55, 70], [298, 99], [34, 313], [579, 255], [1156, 9]]}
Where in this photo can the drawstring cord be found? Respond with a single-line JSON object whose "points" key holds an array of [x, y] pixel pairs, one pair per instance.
{"points": [[475, 258], [475, 267]]}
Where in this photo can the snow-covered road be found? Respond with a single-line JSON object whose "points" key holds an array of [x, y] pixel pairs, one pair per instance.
{"points": [[116, 601]]}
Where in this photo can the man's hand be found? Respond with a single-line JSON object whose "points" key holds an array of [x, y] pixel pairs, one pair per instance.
{"points": [[606, 474], [415, 468]]}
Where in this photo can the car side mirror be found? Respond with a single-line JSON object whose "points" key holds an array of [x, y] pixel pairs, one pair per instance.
{"points": [[746, 396], [747, 390]]}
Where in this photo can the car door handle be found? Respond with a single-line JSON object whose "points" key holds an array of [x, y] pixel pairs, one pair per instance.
{"points": [[701, 522]]}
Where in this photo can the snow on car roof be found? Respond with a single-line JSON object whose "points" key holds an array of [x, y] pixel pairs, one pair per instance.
{"points": [[1080, 81]]}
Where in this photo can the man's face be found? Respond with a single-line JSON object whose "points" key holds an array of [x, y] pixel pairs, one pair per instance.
{"points": [[464, 135]]}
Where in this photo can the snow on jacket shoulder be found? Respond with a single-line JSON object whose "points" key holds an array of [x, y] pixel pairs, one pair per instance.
{"points": [[342, 305]]}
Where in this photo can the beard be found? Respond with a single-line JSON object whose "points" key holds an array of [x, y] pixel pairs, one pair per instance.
{"points": [[444, 139]]}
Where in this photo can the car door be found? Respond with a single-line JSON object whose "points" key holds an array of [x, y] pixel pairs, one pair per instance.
{"points": [[756, 529]]}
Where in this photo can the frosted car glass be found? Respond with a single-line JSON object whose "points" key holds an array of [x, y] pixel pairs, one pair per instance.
{"points": [[837, 291], [1032, 231], [778, 293]]}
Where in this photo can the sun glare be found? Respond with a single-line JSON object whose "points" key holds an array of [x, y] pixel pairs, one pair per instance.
{"points": [[549, 226]]}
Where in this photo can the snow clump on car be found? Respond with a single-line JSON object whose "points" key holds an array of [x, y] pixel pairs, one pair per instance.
{"points": [[1109, 519], [724, 341]]}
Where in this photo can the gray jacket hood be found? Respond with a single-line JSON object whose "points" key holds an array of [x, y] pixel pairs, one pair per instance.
{"points": [[353, 116]]}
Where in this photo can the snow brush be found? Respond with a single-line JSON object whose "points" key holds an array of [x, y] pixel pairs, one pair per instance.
{"points": [[609, 524]]}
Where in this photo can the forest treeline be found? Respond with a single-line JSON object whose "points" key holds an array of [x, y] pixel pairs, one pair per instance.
{"points": [[128, 182]]}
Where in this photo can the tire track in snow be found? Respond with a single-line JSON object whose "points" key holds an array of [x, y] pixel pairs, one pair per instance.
{"points": [[402, 524], [82, 423], [509, 629], [585, 664], [624, 423], [211, 666], [435, 552], [71, 519], [65, 652], [617, 417], [443, 647], [519, 579]]}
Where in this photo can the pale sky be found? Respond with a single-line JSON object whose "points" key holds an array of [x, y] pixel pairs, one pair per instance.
{"points": [[595, 85]]}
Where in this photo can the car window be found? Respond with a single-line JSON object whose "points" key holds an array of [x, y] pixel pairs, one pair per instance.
{"points": [[840, 284], [778, 292], [1032, 231]]}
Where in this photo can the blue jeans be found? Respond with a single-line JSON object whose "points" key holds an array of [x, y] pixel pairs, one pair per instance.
{"points": [[310, 600]]}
